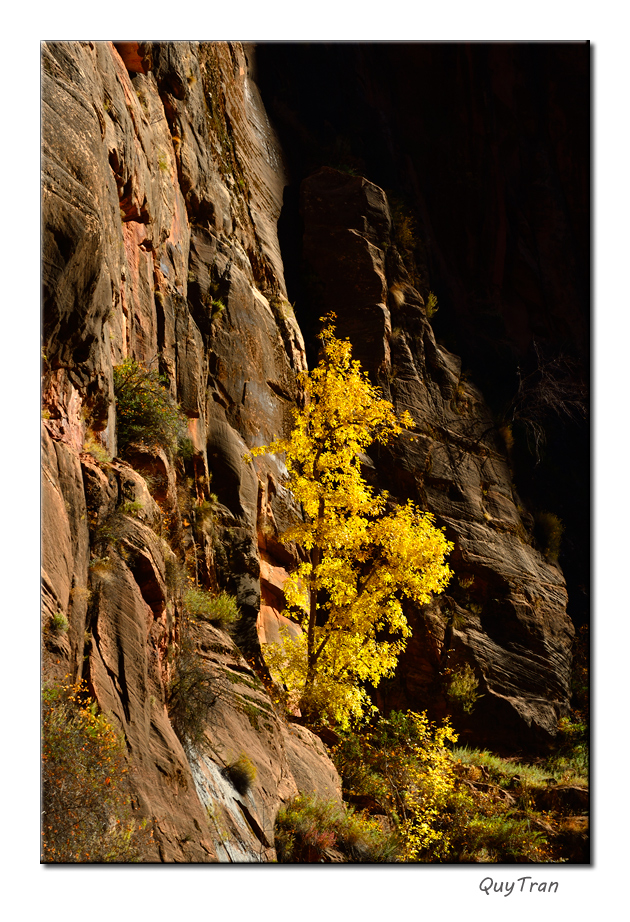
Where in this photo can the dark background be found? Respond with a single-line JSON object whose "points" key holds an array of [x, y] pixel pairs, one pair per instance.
{"points": [[484, 151]]}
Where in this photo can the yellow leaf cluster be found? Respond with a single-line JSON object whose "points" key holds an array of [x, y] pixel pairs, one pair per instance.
{"points": [[430, 784]]}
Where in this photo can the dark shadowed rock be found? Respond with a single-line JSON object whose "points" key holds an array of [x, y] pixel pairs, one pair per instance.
{"points": [[504, 612], [346, 221]]}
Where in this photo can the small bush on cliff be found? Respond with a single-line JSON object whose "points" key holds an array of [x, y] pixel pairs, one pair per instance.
{"points": [[86, 809], [548, 529], [406, 238], [93, 447], [241, 773], [220, 610], [132, 508], [462, 689], [145, 410], [186, 448], [204, 516], [432, 305], [193, 690], [59, 623], [217, 308]]}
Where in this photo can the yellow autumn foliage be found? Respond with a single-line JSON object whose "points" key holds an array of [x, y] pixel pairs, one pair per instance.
{"points": [[365, 553]]}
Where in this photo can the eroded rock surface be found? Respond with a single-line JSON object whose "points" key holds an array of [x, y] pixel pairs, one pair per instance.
{"points": [[162, 187]]}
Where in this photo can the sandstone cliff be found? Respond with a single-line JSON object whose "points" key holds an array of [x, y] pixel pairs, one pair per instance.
{"points": [[161, 191], [163, 184]]}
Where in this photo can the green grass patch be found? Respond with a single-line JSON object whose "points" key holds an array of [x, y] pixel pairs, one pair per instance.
{"points": [[501, 771], [308, 828], [220, 610], [145, 410]]}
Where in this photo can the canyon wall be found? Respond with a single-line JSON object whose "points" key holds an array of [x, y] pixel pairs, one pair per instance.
{"points": [[163, 185]]}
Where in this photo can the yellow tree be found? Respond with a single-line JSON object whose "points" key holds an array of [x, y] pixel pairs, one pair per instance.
{"points": [[364, 552]]}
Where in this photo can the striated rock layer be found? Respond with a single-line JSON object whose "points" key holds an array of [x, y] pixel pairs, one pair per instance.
{"points": [[162, 187]]}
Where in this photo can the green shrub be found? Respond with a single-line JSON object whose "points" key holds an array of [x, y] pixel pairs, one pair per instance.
{"points": [[548, 530], [498, 837], [462, 688], [308, 827], [204, 515], [59, 623], [241, 773], [94, 448], [186, 448], [207, 507], [407, 241], [404, 232], [220, 610], [86, 807], [145, 410], [217, 308], [192, 693], [570, 761], [173, 572], [432, 306], [101, 566]]}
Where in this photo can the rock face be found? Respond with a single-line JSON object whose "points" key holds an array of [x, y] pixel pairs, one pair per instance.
{"points": [[162, 187], [505, 611]]}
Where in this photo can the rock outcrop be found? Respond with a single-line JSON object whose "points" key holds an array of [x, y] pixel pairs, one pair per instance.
{"points": [[162, 188]]}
